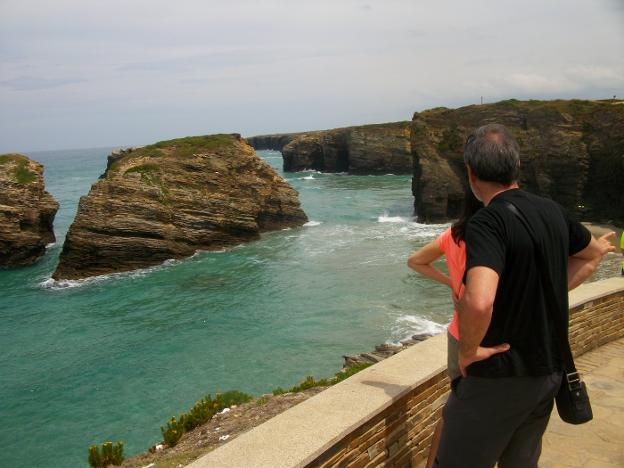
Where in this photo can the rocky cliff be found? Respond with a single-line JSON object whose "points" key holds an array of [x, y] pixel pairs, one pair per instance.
{"points": [[172, 198], [366, 149], [571, 151], [26, 211], [272, 142]]}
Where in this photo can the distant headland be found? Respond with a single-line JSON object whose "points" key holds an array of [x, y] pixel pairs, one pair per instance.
{"points": [[571, 151]]}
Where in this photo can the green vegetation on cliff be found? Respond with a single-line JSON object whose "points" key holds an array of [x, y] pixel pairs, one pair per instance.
{"points": [[206, 408], [191, 145], [107, 454], [22, 173]]}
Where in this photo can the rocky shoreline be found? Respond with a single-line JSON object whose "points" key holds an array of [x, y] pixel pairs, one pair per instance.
{"points": [[27, 211]]}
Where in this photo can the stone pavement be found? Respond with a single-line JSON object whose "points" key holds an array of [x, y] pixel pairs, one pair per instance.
{"points": [[599, 443]]}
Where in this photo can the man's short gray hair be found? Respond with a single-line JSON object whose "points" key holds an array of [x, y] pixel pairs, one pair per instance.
{"points": [[493, 154]]}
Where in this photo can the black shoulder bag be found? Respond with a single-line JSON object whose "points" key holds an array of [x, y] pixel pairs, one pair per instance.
{"points": [[572, 399]]}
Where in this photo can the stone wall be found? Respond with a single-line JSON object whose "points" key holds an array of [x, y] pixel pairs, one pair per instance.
{"points": [[596, 322], [385, 415], [399, 436]]}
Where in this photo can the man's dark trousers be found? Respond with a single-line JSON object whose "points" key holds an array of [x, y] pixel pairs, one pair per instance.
{"points": [[496, 419]]}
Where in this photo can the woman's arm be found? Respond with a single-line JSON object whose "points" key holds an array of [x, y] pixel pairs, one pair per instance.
{"points": [[422, 259]]}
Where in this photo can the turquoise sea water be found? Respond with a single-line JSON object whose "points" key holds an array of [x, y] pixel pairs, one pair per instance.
{"points": [[114, 357]]}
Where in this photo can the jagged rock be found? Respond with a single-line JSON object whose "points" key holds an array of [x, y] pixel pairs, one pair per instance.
{"points": [[26, 211], [421, 337], [571, 151], [382, 351], [367, 149], [170, 199]]}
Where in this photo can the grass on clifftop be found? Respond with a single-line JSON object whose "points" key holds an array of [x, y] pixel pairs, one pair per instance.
{"points": [[22, 174], [194, 144], [143, 169]]}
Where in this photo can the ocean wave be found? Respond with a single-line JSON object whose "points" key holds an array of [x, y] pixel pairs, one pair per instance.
{"points": [[54, 285], [407, 325], [313, 223], [391, 219], [310, 177], [386, 218]]}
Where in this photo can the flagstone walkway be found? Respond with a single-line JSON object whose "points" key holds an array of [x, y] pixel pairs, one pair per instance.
{"points": [[600, 442]]}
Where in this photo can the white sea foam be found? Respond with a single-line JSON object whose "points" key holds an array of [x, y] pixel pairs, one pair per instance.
{"points": [[310, 177], [391, 219], [407, 325], [50, 245], [54, 285], [313, 223]]}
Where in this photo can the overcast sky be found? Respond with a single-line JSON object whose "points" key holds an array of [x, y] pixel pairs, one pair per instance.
{"points": [[76, 73]]}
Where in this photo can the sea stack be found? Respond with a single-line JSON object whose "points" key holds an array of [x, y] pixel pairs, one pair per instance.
{"points": [[173, 198], [362, 150], [26, 211]]}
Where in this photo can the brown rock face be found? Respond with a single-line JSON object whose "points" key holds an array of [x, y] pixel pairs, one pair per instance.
{"points": [[26, 211], [366, 149], [271, 142], [171, 199], [571, 151]]}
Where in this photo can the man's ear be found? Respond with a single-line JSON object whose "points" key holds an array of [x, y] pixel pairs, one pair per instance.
{"points": [[471, 177]]}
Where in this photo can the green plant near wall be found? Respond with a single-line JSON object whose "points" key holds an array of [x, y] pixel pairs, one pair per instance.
{"points": [[310, 382], [200, 413], [106, 454], [207, 407]]}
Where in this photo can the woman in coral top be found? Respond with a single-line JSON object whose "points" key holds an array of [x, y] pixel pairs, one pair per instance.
{"points": [[451, 245]]}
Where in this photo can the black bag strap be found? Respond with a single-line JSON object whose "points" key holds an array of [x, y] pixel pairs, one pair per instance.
{"points": [[552, 303]]}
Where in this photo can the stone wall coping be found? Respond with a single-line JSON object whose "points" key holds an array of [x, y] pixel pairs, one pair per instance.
{"points": [[591, 291], [302, 433]]}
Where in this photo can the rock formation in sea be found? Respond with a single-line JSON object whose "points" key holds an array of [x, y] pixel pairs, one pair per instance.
{"points": [[171, 199], [26, 211], [571, 151], [272, 142], [361, 150]]}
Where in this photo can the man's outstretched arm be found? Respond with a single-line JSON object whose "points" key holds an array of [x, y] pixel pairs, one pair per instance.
{"points": [[582, 264], [475, 314]]}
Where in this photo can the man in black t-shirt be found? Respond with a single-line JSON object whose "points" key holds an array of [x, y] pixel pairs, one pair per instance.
{"points": [[510, 362]]}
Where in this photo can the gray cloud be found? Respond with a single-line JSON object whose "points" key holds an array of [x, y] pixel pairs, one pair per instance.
{"points": [[158, 69], [32, 83]]}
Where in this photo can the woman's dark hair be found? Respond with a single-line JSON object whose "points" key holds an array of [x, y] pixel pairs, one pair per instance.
{"points": [[471, 206]]}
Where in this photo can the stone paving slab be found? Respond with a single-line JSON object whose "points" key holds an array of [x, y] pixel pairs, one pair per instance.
{"points": [[600, 442]]}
